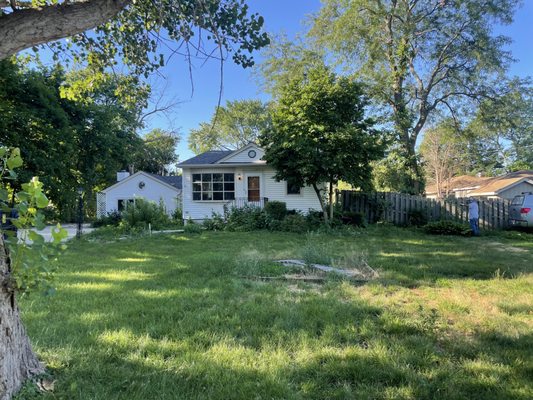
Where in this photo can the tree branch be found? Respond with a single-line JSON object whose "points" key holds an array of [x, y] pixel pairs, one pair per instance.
{"points": [[26, 28]]}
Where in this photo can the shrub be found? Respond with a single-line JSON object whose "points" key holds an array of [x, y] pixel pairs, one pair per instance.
{"points": [[192, 228], [215, 223], [353, 218], [111, 219], [142, 212], [417, 218], [294, 223], [177, 215], [447, 228], [247, 218], [276, 210]]}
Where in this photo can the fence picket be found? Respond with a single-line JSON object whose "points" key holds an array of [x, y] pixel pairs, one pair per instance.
{"points": [[395, 208]]}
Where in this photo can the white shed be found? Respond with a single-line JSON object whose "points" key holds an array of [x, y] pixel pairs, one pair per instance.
{"points": [[144, 185]]}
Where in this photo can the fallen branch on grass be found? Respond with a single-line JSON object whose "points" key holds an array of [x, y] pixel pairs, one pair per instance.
{"points": [[362, 272]]}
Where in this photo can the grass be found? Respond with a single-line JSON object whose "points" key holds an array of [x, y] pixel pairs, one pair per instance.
{"points": [[177, 317]]}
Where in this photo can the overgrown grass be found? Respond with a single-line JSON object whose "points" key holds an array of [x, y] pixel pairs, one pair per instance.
{"points": [[176, 317]]}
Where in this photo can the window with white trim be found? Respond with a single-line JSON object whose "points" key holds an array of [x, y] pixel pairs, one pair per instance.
{"points": [[213, 187]]}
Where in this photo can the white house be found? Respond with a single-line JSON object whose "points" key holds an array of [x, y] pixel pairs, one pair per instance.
{"points": [[214, 179], [139, 185]]}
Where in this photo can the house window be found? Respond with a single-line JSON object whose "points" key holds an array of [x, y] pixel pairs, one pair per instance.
{"points": [[293, 189], [123, 203], [213, 187]]}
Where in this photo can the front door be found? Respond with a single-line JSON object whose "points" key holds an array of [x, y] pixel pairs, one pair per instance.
{"points": [[254, 191]]}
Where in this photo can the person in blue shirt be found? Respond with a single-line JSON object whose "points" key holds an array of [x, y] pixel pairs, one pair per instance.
{"points": [[473, 216]]}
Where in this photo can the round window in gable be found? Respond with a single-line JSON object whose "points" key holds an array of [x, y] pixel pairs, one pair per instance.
{"points": [[142, 185], [252, 154]]}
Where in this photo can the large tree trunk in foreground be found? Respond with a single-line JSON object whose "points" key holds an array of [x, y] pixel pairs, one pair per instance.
{"points": [[18, 362], [29, 27]]}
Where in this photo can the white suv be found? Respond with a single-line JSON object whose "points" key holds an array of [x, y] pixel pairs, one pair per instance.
{"points": [[521, 210]]}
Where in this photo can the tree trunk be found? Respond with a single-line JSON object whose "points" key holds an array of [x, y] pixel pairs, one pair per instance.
{"points": [[321, 200], [330, 197], [18, 362], [25, 28]]}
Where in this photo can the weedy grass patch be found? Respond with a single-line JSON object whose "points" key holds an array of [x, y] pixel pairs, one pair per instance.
{"points": [[176, 317]]}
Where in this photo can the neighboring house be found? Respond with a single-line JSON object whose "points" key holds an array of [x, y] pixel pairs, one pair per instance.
{"points": [[458, 186], [144, 185], [505, 186], [215, 179]]}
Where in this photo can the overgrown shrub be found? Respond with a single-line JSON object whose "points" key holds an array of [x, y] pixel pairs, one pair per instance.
{"points": [[276, 210], [447, 228], [177, 215], [215, 223], [417, 218], [192, 228], [143, 212], [353, 218], [294, 223], [111, 219], [247, 218]]}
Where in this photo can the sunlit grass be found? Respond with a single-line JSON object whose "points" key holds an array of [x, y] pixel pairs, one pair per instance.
{"points": [[181, 317]]}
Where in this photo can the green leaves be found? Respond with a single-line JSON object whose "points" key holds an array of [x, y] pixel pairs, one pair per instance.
{"points": [[30, 255]]}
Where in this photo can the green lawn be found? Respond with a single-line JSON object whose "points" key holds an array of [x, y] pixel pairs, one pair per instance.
{"points": [[181, 317]]}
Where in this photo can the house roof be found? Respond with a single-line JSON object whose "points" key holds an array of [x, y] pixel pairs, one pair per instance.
{"points": [[170, 180], [458, 183], [501, 183], [175, 182], [209, 157]]}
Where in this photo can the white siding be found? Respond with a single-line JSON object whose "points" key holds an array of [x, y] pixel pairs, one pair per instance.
{"points": [[516, 190], [242, 156], [153, 190], [199, 210]]}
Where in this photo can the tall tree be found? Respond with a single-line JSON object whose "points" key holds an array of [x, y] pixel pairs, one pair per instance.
{"points": [[67, 143], [418, 57], [231, 127], [503, 129], [320, 135], [134, 33], [158, 152], [442, 153]]}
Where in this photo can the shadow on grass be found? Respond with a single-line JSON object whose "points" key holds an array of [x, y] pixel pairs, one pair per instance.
{"points": [[176, 323]]}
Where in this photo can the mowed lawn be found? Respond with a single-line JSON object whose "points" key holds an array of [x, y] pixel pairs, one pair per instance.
{"points": [[184, 317]]}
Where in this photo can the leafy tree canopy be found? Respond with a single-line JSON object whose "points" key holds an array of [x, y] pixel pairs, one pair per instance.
{"points": [[418, 57], [231, 127], [320, 135], [64, 142], [158, 152]]}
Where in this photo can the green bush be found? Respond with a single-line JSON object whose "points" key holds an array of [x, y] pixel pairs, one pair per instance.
{"points": [[246, 218], [447, 228], [192, 228], [142, 212], [215, 223], [417, 218], [296, 223], [111, 219], [276, 210], [353, 218]]}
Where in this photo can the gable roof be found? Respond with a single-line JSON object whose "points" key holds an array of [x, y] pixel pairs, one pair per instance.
{"points": [[501, 183], [209, 157], [158, 178], [175, 181], [458, 183]]}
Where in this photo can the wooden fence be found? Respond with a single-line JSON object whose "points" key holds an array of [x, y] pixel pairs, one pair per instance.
{"points": [[396, 207]]}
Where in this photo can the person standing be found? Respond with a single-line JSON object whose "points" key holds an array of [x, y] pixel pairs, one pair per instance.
{"points": [[473, 216]]}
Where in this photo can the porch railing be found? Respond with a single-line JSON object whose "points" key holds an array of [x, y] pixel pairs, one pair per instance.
{"points": [[241, 202]]}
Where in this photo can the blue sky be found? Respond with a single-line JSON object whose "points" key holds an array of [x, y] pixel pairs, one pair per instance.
{"points": [[285, 16]]}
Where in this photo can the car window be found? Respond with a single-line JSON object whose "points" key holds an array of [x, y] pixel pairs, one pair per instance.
{"points": [[517, 201]]}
